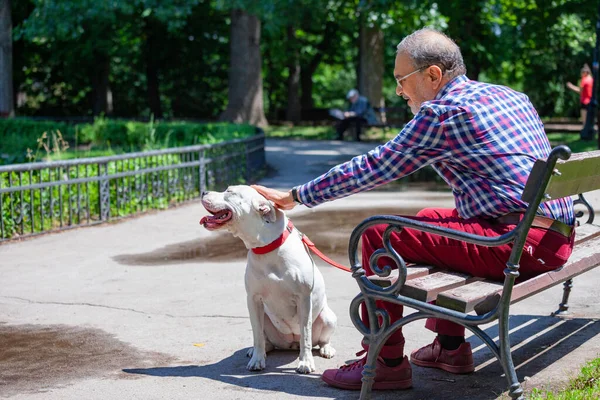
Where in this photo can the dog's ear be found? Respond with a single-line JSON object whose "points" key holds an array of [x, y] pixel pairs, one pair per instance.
{"points": [[265, 208]]}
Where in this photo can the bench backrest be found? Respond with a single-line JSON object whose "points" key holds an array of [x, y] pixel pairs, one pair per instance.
{"points": [[568, 176], [560, 175]]}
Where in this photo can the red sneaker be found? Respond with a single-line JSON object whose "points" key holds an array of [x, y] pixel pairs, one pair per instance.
{"points": [[459, 361], [386, 378]]}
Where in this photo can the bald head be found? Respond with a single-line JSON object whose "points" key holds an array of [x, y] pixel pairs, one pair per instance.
{"points": [[429, 47]]}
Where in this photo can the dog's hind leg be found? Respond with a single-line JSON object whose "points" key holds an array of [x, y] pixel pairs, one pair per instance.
{"points": [[323, 329]]}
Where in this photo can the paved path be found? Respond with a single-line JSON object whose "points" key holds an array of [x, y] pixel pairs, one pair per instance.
{"points": [[154, 308]]}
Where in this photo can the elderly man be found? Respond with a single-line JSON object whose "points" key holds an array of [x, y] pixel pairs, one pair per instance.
{"points": [[359, 113], [483, 140]]}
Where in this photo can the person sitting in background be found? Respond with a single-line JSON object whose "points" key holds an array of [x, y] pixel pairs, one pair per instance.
{"points": [[585, 91], [359, 113]]}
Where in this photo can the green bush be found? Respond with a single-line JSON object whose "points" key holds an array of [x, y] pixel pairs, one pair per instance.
{"points": [[17, 135], [143, 135], [116, 136]]}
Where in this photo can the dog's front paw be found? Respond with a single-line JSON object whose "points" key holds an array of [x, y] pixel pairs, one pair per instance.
{"points": [[327, 351], [306, 366], [257, 363]]}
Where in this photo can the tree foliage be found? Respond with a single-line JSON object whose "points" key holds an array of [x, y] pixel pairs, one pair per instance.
{"points": [[173, 57]]}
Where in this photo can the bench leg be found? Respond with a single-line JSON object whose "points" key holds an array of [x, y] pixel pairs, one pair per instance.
{"points": [[368, 374], [515, 390], [563, 307]]}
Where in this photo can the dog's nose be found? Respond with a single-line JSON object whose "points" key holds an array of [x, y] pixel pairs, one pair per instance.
{"points": [[203, 194]]}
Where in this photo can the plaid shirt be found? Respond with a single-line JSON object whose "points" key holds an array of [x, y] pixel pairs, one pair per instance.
{"points": [[481, 139]]}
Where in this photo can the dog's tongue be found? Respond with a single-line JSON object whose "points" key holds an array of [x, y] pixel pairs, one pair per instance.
{"points": [[216, 218]]}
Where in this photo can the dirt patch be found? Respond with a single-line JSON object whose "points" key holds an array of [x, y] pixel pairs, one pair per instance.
{"points": [[34, 358], [329, 230]]}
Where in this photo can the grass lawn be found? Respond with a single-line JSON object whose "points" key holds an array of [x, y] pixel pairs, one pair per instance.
{"points": [[573, 141], [301, 132], [585, 387], [327, 132]]}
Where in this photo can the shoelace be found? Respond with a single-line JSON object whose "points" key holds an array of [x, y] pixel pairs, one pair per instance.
{"points": [[356, 364]]}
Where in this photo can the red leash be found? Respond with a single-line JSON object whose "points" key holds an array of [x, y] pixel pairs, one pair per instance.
{"points": [[322, 256]]}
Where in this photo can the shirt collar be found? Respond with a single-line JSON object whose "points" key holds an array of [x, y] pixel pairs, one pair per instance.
{"points": [[451, 85]]}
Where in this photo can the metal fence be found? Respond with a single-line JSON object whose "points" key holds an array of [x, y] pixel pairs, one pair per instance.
{"points": [[48, 196]]}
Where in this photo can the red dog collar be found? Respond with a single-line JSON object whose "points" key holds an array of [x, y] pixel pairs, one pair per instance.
{"points": [[275, 244]]}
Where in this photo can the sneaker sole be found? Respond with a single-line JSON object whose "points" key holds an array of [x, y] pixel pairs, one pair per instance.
{"points": [[394, 385], [463, 369]]}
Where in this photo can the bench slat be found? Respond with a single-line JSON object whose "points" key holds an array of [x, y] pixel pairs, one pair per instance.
{"points": [[467, 298], [412, 271], [427, 287], [585, 232], [483, 296]]}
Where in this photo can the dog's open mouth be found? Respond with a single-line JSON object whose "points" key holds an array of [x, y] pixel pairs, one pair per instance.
{"points": [[217, 219]]}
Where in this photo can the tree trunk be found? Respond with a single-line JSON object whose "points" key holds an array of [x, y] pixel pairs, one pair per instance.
{"points": [[99, 79], [152, 82], [293, 110], [245, 97], [6, 77], [370, 67], [306, 100]]}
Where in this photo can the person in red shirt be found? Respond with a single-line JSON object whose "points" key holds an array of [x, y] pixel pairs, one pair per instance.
{"points": [[584, 89]]}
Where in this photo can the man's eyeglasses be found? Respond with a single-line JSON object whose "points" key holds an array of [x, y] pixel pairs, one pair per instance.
{"points": [[399, 80]]}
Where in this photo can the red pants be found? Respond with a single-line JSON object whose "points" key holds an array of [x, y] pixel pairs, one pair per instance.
{"points": [[544, 251]]}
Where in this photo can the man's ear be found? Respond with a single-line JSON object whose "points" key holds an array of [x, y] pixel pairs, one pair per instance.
{"points": [[435, 75], [265, 208]]}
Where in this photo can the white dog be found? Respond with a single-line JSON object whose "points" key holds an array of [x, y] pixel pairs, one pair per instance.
{"points": [[285, 291]]}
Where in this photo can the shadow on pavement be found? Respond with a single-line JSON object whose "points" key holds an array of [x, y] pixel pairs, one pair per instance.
{"points": [[278, 375], [537, 342]]}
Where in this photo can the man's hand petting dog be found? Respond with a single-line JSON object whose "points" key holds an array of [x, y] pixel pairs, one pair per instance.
{"points": [[282, 200], [285, 291]]}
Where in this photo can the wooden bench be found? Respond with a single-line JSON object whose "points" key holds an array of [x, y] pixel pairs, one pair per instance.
{"points": [[467, 300]]}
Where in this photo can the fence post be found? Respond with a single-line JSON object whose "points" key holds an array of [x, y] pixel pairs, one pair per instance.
{"points": [[2, 216], [201, 172], [104, 192], [248, 174]]}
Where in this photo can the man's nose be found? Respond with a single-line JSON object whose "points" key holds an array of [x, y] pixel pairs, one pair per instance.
{"points": [[399, 91]]}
